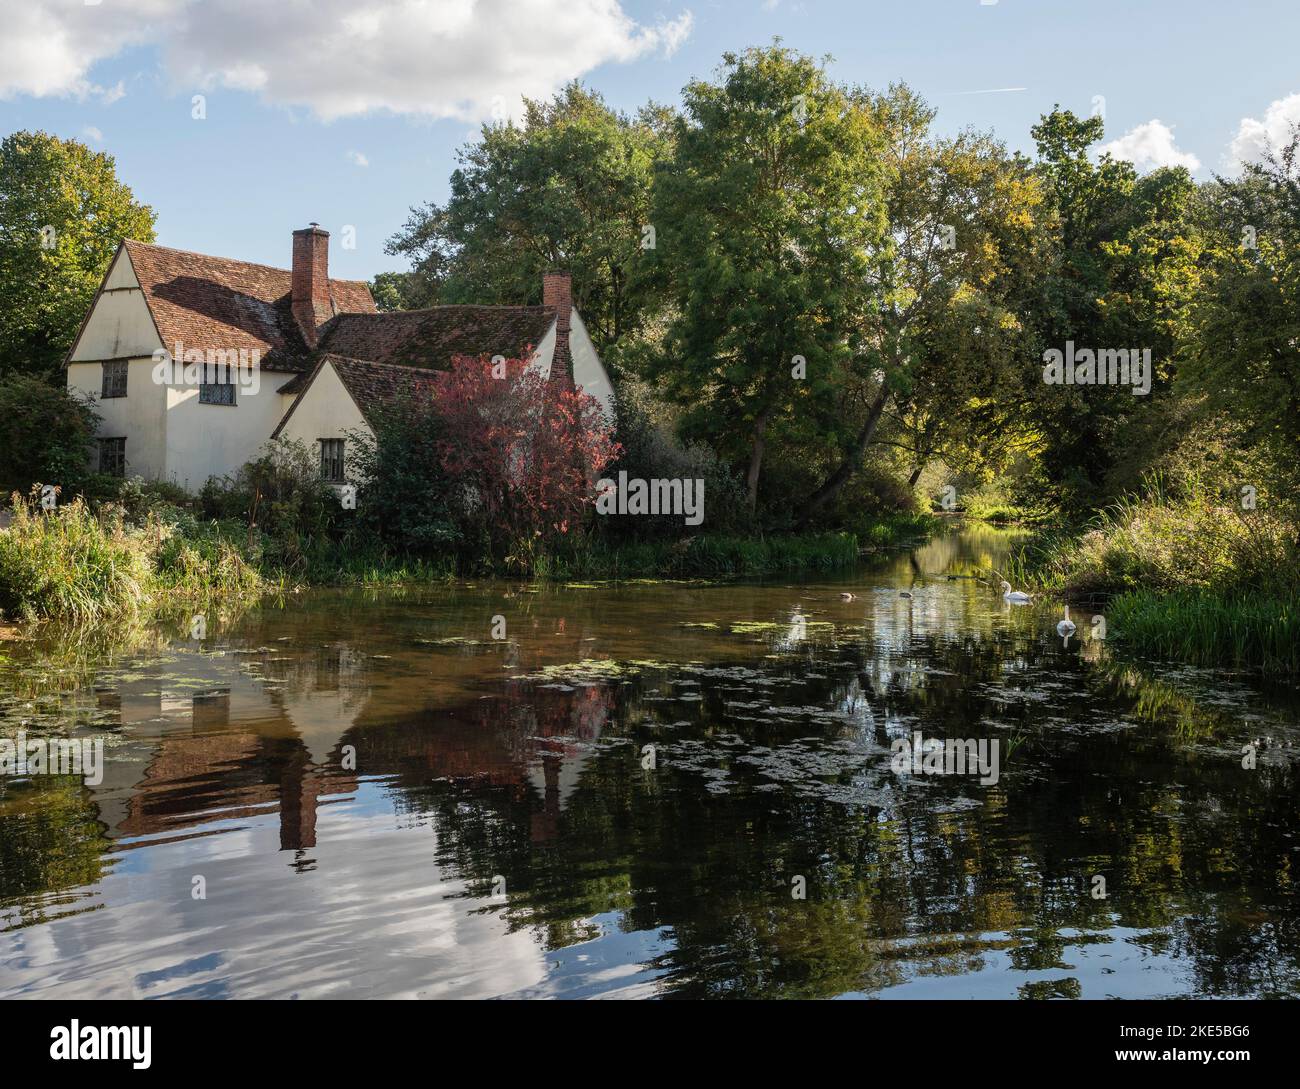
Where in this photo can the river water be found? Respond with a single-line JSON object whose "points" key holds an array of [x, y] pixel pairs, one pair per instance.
{"points": [[649, 790]]}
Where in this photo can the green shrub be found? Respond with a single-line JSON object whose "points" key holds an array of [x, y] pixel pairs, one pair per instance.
{"points": [[651, 451], [46, 433], [403, 494], [709, 557], [290, 514], [77, 565], [1196, 542]]}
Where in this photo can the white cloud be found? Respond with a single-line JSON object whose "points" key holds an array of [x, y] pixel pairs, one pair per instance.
{"points": [[1151, 146], [49, 47], [110, 95], [1257, 138], [357, 159], [93, 133], [338, 58]]}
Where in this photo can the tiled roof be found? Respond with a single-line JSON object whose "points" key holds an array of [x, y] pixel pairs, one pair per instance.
{"points": [[430, 338], [380, 386], [211, 302], [373, 386]]}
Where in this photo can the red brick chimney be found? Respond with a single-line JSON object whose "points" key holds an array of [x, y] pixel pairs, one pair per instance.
{"points": [[310, 282], [557, 293]]}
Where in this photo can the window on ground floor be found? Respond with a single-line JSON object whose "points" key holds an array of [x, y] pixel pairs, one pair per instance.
{"points": [[331, 460], [112, 457], [114, 383], [216, 387]]}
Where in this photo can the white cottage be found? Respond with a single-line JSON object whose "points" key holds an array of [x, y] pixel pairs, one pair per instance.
{"points": [[196, 361]]}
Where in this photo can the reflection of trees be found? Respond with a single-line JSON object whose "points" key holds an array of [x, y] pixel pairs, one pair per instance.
{"points": [[51, 840], [913, 887]]}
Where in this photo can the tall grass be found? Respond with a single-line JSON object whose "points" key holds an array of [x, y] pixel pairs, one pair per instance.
{"points": [[1162, 544], [70, 564], [893, 530], [342, 566], [204, 567], [1211, 628], [1187, 578]]}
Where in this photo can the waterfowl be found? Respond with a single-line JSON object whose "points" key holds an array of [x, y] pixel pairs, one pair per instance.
{"points": [[1066, 626], [1009, 594], [846, 596], [904, 594]]}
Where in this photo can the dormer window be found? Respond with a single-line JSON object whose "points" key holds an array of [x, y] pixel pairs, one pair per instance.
{"points": [[114, 380]]}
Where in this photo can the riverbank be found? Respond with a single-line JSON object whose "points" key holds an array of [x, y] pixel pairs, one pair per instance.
{"points": [[1239, 628], [707, 556], [73, 564], [1193, 580]]}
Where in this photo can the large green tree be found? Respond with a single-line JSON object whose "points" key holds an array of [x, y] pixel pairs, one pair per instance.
{"points": [[568, 187], [1122, 273], [767, 218], [1242, 348], [45, 434], [937, 359], [63, 212]]}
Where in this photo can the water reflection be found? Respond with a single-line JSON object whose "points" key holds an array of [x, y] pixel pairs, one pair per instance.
{"points": [[381, 799]]}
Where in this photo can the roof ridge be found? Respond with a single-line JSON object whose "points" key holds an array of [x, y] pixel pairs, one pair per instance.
{"points": [[232, 260], [444, 306], [331, 356]]}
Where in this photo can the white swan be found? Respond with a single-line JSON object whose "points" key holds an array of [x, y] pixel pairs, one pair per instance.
{"points": [[1066, 626], [1018, 596]]}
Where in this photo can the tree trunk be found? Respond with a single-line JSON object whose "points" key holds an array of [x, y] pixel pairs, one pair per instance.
{"points": [[756, 457], [916, 475], [844, 473]]}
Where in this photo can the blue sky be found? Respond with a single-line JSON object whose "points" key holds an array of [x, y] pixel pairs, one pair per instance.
{"points": [[301, 93]]}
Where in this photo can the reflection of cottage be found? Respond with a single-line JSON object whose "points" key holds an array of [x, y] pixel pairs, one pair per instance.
{"points": [[534, 741], [223, 746], [287, 352]]}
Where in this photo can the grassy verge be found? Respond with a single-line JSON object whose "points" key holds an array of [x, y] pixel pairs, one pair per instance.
{"points": [[151, 549], [1188, 579], [895, 530], [347, 567], [70, 564]]}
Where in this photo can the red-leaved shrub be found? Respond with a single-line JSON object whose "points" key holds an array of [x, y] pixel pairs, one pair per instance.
{"points": [[526, 452]]}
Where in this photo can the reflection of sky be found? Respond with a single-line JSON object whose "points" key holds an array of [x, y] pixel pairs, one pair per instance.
{"points": [[611, 965], [1094, 966], [262, 934]]}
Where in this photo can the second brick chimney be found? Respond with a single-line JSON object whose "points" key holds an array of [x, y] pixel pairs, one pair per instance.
{"points": [[557, 293], [310, 281]]}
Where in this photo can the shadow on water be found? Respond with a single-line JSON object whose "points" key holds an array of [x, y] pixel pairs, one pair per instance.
{"points": [[364, 793]]}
